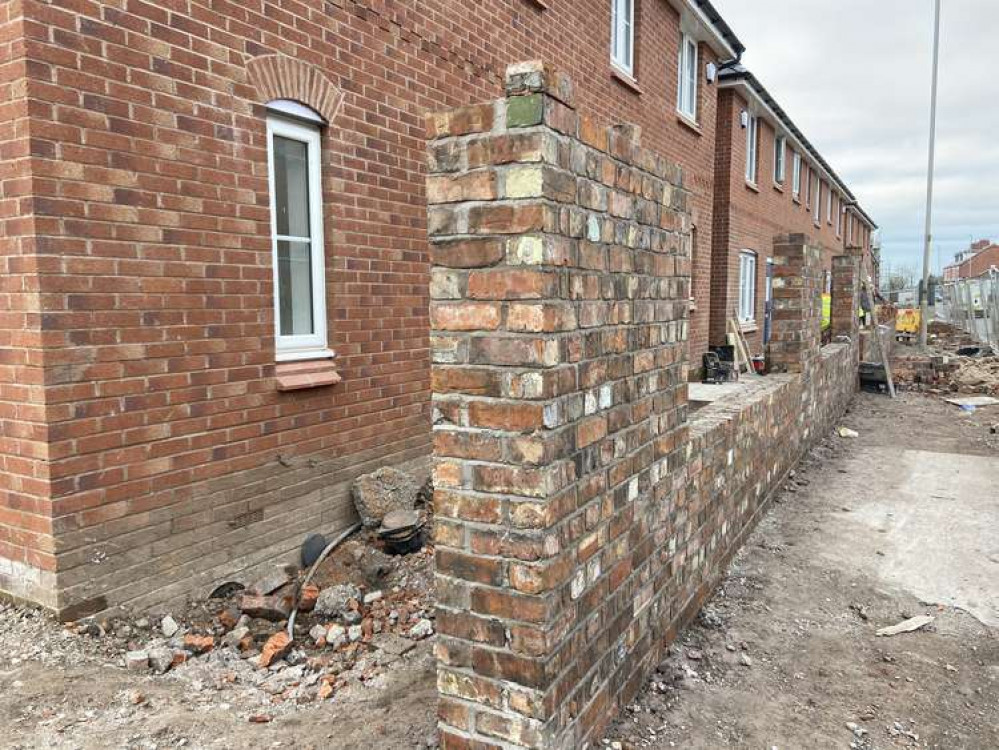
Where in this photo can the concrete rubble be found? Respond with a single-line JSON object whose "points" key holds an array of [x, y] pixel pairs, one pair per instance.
{"points": [[364, 611]]}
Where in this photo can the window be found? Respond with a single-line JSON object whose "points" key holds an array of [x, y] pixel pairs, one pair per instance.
{"points": [[808, 194], [796, 175], [297, 238], [686, 97], [817, 200], [623, 35], [780, 147], [752, 139], [840, 213], [747, 286], [829, 205]]}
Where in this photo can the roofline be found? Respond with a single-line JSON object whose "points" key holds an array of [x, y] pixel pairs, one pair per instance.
{"points": [[712, 19], [740, 77]]}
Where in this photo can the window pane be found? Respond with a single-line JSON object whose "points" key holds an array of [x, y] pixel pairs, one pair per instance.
{"points": [[295, 288], [291, 187]]}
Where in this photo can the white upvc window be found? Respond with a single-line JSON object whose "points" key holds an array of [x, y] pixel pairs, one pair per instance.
{"points": [[752, 140], [840, 216], [780, 149], [686, 96], [829, 204], [293, 149], [796, 175], [623, 35], [747, 286], [817, 200]]}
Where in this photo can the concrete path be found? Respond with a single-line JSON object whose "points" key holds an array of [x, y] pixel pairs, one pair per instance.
{"points": [[929, 525]]}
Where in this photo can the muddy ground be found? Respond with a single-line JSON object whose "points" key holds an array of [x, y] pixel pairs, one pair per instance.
{"points": [[784, 657]]}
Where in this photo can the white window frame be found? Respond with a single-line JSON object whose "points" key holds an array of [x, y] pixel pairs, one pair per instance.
{"points": [[687, 75], [623, 35], [747, 286], [840, 216], [829, 204], [796, 175], [314, 345], [752, 146], [780, 159], [817, 200]]}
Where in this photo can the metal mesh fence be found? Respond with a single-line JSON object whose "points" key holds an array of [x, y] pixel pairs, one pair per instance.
{"points": [[973, 306]]}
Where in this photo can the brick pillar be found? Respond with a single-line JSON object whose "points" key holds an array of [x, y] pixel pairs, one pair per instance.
{"points": [[797, 297], [845, 296], [559, 287]]}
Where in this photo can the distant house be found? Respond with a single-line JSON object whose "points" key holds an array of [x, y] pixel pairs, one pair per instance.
{"points": [[977, 260]]}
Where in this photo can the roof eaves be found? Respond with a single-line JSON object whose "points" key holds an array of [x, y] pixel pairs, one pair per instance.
{"points": [[716, 20]]}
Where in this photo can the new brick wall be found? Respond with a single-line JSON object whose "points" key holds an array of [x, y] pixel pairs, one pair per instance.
{"points": [[560, 291], [157, 445], [581, 522]]}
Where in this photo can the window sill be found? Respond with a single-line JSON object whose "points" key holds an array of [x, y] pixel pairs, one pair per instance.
{"points": [[796, 199], [692, 305], [625, 79], [752, 186], [818, 224], [748, 326], [691, 125], [539, 4], [778, 187], [300, 375]]}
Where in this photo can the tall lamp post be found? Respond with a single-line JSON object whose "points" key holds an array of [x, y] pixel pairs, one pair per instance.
{"points": [[924, 297]]}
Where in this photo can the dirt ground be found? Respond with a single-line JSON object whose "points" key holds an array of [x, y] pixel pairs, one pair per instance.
{"points": [[785, 656]]}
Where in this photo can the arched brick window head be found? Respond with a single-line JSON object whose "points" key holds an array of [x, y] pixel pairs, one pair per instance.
{"points": [[279, 77]]}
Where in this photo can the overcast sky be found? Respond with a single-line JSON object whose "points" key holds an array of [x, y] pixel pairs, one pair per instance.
{"points": [[854, 75]]}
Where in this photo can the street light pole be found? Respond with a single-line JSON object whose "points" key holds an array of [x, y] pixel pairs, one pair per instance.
{"points": [[924, 297]]}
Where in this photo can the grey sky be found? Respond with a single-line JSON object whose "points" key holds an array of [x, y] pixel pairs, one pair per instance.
{"points": [[854, 75]]}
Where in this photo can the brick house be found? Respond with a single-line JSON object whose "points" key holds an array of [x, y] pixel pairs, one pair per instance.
{"points": [[216, 275], [770, 180], [979, 260], [215, 260]]}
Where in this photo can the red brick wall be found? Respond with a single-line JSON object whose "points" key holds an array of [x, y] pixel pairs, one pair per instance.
{"points": [[26, 547], [151, 227], [748, 218]]}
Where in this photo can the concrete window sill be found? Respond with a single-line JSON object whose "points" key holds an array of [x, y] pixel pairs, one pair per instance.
{"points": [[748, 327], [298, 376], [752, 186], [625, 79], [778, 187], [539, 4], [689, 124]]}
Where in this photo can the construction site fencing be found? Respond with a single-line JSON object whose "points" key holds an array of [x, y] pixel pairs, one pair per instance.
{"points": [[973, 306]]}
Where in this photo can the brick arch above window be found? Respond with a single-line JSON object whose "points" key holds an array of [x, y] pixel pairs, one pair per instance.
{"points": [[283, 77]]}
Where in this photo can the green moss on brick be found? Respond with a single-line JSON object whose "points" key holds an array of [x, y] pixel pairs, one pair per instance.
{"points": [[525, 111]]}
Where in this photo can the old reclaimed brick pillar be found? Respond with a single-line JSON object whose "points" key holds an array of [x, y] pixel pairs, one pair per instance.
{"points": [[845, 296], [797, 293], [561, 256]]}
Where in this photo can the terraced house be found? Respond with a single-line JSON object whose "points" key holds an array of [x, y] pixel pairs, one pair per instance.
{"points": [[216, 276]]}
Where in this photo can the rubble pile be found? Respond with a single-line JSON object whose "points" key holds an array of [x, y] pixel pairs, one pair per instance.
{"points": [[956, 365], [362, 612]]}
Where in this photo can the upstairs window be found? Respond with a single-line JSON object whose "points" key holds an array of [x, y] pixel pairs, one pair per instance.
{"points": [[829, 205], [817, 200], [623, 35], [747, 286], [752, 139], [780, 148], [686, 100], [796, 175], [293, 147]]}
